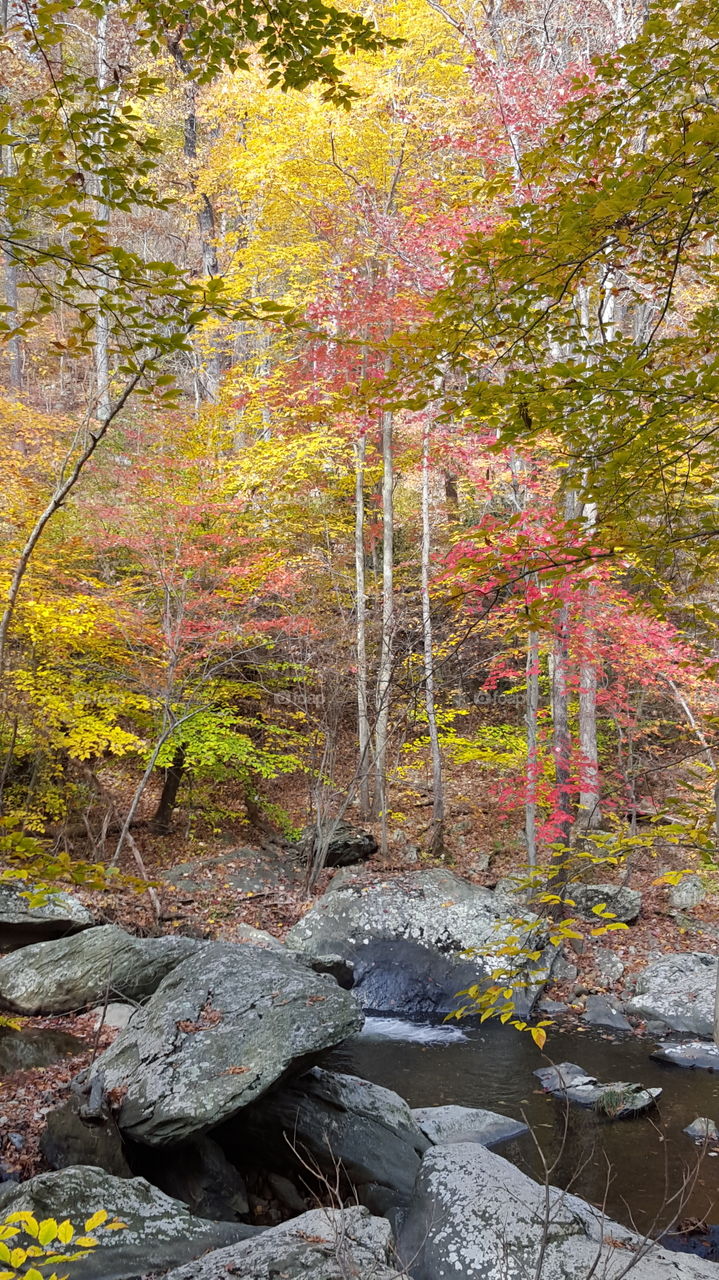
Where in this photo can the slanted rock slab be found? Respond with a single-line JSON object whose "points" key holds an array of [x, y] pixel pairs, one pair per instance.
{"points": [[160, 1233], [678, 989], [442, 1125], [475, 1216], [72, 973], [218, 1032], [415, 942], [20, 923], [689, 1053], [324, 1244]]}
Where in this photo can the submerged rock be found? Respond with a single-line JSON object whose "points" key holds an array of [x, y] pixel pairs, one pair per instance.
{"points": [[20, 923], [679, 990], [703, 1130], [475, 1216], [414, 943], [443, 1125], [159, 1232], [72, 973], [324, 1244], [689, 1053], [218, 1032], [616, 1100], [328, 1118]]}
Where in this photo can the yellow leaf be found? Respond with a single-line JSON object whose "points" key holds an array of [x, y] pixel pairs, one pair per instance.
{"points": [[65, 1232], [47, 1231], [96, 1220], [539, 1036]]}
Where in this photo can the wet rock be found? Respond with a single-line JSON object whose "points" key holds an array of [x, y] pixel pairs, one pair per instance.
{"points": [[703, 1130], [616, 1100], [448, 1124], [72, 973], [408, 941], [218, 1032], [601, 1012], [475, 1216], [20, 923], [624, 903], [678, 989], [159, 1231], [327, 1117], [324, 1244], [343, 844], [687, 894], [689, 1053]]}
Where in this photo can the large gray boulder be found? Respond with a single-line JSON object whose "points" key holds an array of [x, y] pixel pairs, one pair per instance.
{"points": [[218, 1032], [20, 923], [624, 903], [328, 1118], [159, 1232], [477, 1217], [415, 942], [678, 990], [72, 973], [443, 1125], [324, 1244]]}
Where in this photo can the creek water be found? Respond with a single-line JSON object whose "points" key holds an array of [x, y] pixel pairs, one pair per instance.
{"points": [[635, 1168], [22, 1050]]}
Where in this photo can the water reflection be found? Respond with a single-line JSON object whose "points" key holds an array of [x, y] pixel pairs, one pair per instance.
{"points": [[21, 1050]]}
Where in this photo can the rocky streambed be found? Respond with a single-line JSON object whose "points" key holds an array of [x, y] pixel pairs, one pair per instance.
{"points": [[245, 1121]]}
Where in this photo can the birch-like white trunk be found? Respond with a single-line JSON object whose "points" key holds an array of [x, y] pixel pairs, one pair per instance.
{"points": [[532, 720], [386, 656], [436, 841], [363, 721], [102, 322]]}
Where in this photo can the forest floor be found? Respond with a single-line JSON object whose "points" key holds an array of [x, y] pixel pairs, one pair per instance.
{"points": [[210, 902]]}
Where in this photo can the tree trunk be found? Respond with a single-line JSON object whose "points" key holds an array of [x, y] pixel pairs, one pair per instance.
{"points": [[436, 841], [532, 718], [102, 321], [11, 281], [563, 809], [161, 820], [384, 672], [590, 814], [363, 724]]}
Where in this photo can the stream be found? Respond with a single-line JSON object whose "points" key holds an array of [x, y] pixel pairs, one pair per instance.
{"points": [[631, 1166]]}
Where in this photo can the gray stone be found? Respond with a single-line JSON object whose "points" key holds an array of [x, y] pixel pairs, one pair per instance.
{"points": [[601, 1012], [679, 990], [324, 1244], [159, 1232], [341, 844], [687, 894], [552, 1007], [563, 970], [443, 1125], [415, 942], [617, 1100], [703, 1130], [72, 973], [20, 923], [690, 1053], [624, 903], [326, 1118], [219, 1031], [116, 1016], [609, 967], [475, 1216], [249, 871], [69, 1139]]}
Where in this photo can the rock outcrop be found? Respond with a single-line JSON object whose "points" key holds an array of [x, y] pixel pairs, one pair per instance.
{"points": [[20, 923], [678, 990]]}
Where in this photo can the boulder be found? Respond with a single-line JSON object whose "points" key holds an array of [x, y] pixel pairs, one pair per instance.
{"points": [[329, 1118], [602, 1012], [248, 871], [703, 1130], [20, 923], [688, 893], [219, 1031], [72, 973], [324, 1244], [416, 942], [624, 903], [678, 989], [345, 845], [199, 1174], [71, 1139], [609, 967], [115, 1015], [475, 1216], [689, 1053], [616, 1100], [448, 1124], [159, 1232]]}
